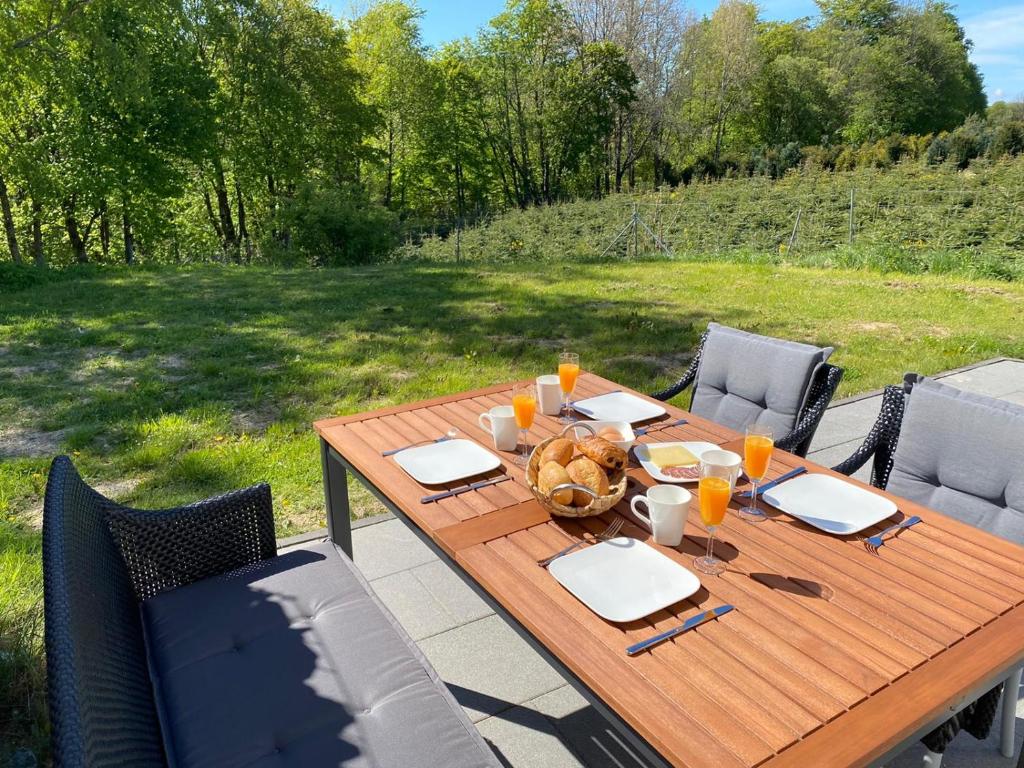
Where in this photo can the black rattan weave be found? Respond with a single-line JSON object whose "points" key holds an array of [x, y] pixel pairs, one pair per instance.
{"points": [[170, 548], [823, 388], [100, 695]]}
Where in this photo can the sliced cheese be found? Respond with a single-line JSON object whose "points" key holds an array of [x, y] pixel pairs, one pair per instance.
{"points": [[664, 456]]}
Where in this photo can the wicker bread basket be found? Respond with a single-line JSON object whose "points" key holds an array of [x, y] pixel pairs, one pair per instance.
{"points": [[599, 504]]}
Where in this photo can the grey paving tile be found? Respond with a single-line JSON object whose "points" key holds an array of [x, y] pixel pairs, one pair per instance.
{"points": [[386, 548], [829, 457], [524, 737], [591, 737], [1015, 397], [461, 602], [488, 667], [995, 380], [843, 423], [413, 605]]}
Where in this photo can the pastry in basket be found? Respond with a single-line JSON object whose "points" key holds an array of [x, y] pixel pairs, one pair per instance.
{"points": [[554, 474], [586, 472], [559, 450], [604, 453], [675, 461]]}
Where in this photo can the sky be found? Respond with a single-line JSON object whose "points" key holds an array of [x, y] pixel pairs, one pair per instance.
{"points": [[995, 26]]}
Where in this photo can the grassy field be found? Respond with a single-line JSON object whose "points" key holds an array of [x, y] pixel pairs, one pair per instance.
{"points": [[171, 385]]}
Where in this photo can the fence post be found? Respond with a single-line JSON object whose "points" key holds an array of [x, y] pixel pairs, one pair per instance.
{"points": [[851, 215], [796, 226]]}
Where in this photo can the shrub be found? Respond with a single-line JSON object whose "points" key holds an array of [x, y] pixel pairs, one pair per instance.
{"points": [[1008, 139]]}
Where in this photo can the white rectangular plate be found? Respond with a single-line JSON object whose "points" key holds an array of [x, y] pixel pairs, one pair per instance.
{"points": [[624, 579], [831, 504], [447, 461], [644, 457], [618, 406]]}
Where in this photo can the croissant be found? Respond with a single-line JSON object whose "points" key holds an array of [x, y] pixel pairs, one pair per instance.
{"points": [[554, 474], [586, 472], [604, 453]]}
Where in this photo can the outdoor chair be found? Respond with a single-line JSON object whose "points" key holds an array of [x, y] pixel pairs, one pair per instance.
{"points": [[959, 453], [742, 378], [180, 637]]}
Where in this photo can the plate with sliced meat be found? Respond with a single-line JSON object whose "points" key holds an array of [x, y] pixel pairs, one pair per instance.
{"points": [[673, 462]]}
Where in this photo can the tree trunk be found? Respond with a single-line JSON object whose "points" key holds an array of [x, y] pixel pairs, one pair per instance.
{"points": [[227, 224], [37, 234], [243, 230], [104, 230], [391, 165], [129, 236], [74, 233], [12, 233]]}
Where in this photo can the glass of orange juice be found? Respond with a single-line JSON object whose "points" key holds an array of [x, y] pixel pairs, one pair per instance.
{"points": [[714, 490], [757, 455], [568, 372], [524, 405]]}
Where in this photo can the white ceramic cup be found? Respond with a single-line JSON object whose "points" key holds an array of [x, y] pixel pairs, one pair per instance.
{"points": [[500, 423], [549, 395], [725, 459], [667, 507]]}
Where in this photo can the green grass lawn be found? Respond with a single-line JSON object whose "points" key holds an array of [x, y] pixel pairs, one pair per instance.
{"points": [[172, 385]]}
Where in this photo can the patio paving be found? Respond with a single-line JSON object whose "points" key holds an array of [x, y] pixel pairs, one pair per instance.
{"points": [[528, 713]]}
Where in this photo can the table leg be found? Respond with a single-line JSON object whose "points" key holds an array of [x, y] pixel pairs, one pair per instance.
{"points": [[1011, 688], [339, 524]]}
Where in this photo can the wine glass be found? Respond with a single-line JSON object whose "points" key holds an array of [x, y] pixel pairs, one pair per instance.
{"points": [[714, 490], [524, 404], [568, 372], [757, 455]]}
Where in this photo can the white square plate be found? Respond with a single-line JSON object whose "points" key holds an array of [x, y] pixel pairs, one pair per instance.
{"points": [[643, 455], [624, 579], [618, 406], [447, 461], [831, 504]]}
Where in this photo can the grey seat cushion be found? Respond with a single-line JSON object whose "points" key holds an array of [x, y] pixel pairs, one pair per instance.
{"points": [[963, 454], [744, 379], [293, 661]]}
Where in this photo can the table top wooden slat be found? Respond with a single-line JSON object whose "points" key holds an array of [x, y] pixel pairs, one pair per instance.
{"points": [[832, 656]]}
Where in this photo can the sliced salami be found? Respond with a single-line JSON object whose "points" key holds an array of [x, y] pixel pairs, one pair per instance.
{"points": [[683, 473]]}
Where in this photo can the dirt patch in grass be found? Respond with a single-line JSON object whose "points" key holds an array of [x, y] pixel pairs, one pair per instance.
{"points": [[876, 327], [21, 442]]}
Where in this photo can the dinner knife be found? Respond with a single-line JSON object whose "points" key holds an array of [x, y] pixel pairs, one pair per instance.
{"points": [[463, 489], [768, 486], [687, 625], [645, 430], [443, 438]]}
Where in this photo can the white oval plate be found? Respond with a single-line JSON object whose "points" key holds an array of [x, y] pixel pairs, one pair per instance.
{"points": [[618, 406], [624, 579], [644, 457]]}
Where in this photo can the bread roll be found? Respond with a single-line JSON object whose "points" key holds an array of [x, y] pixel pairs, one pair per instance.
{"points": [[604, 453], [551, 475], [586, 472], [559, 450]]}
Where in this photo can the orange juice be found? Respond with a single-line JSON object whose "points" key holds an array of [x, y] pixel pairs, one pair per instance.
{"points": [[757, 452], [525, 407], [567, 373], [714, 494]]}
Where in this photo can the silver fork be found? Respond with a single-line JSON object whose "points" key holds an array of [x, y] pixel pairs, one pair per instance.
{"points": [[872, 543], [608, 533]]}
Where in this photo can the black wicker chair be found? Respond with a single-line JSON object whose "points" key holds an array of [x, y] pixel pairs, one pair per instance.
{"points": [[141, 608], [798, 441], [880, 448]]}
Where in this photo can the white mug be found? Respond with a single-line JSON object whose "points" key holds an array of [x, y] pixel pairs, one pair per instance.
{"points": [[501, 425], [667, 507], [726, 459], [549, 395]]}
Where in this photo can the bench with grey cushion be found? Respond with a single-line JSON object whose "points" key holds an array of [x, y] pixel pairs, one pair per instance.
{"points": [[180, 638], [959, 453], [742, 378]]}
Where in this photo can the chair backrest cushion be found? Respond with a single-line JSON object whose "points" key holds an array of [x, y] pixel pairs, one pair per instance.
{"points": [[963, 454], [744, 378]]}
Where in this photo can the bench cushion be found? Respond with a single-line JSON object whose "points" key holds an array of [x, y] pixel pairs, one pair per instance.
{"points": [[960, 453], [744, 379], [294, 662]]}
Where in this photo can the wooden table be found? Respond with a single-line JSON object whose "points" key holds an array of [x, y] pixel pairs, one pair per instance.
{"points": [[833, 656]]}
